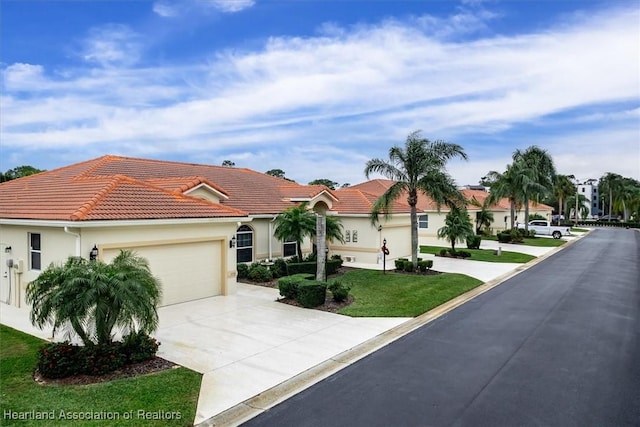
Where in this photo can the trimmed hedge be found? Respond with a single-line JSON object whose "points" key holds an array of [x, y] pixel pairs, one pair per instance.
{"points": [[312, 293], [310, 267]]}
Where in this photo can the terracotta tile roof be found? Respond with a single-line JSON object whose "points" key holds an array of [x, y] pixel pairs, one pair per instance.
{"points": [[358, 202], [113, 187], [62, 195], [377, 187], [502, 204]]}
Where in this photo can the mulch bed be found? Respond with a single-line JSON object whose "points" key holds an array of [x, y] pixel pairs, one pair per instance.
{"points": [[156, 364]]}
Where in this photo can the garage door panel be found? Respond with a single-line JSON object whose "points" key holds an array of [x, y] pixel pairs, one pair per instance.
{"points": [[187, 271]]}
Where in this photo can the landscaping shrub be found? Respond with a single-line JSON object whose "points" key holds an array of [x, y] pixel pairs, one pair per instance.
{"points": [[408, 266], [516, 235], [339, 290], [288, 286], [312, 293], [400, 263], [59, 360], [101, 359], [259, 273], [279, 268], [243, 271], [425, 265], [463, 254], [138, 347], [504, 236], [473, 242], [336, 256], [310, 267], [444, 252]]}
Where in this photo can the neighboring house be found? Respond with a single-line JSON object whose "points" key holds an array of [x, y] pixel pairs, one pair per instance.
{"points": [[589, 189], [192, 222], [430, 218]]}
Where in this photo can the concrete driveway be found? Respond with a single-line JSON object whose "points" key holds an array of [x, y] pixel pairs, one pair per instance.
{"points": [[247, 343]]}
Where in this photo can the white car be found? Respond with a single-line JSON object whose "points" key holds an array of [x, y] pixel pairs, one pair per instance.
{"points": [[545, 228]]}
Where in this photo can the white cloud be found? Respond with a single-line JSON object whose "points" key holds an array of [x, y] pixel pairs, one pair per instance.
{"points": [[112, 45], [231, 6], [165, 9], [345, 95]]}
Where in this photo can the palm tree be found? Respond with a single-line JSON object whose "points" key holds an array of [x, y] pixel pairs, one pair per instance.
{"points": [[563, 188], [538, 175], [507, 185], [457, 227], [295, 223], [333, 229], [582, 203], [93, 297], [417, 168], [484, 217], [611, 183]]}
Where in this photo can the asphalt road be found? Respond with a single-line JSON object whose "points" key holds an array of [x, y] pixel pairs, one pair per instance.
{"points": [[557, 345]]}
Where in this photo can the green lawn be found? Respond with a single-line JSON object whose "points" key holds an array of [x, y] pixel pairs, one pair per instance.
{"points": [[536, 241], [579, 230], [401, 295], [484, 254], [170, 396]]}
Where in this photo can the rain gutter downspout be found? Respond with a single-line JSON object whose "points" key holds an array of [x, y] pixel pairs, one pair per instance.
{"points": [[77, 235], [271, 238]]}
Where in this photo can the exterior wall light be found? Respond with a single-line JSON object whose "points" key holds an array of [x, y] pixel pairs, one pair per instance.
{"points": [[232, 242], [93, 255], [7, 249]]}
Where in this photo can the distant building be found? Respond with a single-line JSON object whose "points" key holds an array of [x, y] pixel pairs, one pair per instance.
{"points": [[589, 189]]}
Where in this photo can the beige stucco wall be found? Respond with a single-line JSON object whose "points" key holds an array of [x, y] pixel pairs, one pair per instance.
{"points": [[367, 249], [57, 246]]}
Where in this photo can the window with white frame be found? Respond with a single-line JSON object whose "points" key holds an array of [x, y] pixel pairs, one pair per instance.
{"points": [[290, 247], [35, 251], [347, 236], [423, 221], [354, 236], [244, 245]]}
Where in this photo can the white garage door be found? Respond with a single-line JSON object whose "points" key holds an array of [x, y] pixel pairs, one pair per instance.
{"points": [[187, 271]]}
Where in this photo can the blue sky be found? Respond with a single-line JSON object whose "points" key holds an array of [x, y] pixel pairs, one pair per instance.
{"points": [[317, 88]]}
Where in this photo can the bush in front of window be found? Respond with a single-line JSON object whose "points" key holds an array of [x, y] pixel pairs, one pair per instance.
{"points": [[243, 271], [259, 273]]}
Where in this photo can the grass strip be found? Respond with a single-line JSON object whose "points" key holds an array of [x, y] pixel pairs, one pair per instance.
{"points": [[401, 295]]}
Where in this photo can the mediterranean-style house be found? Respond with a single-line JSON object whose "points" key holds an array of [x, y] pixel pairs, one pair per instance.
{"points": [[192, 222]]}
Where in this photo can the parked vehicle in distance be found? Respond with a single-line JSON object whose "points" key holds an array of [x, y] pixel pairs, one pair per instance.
{"points": [[608, 218], [546, 229]]}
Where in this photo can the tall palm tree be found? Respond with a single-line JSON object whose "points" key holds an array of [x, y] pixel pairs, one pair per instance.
{"points": [[457, 226], [417, 168], [93, 297], [610, 184], [563, 188], [507, 184], [295, 223], [539, 175]]}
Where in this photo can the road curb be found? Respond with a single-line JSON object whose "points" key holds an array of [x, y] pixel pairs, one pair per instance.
{"points": [[260, 403]]}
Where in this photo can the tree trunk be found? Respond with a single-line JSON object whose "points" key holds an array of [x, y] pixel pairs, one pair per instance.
{"points": [[513, 212], [526, 216], [414, 236], [321, 239]]}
